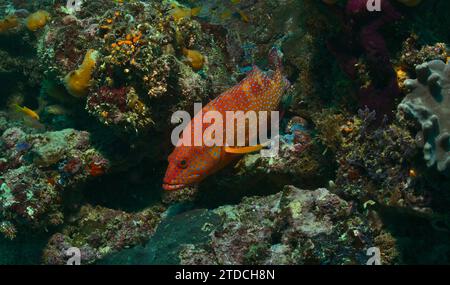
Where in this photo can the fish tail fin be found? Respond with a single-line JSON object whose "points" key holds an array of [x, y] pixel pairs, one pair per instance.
{"points": [[286, 101], [15, 107], [276, 58], [196, 11]]}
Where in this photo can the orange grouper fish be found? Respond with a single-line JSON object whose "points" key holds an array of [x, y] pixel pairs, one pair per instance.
{"points": [[189, 165]]}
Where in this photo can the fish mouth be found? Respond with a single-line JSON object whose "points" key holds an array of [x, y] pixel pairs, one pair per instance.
{"points": [[171, 187], [191, 180]]}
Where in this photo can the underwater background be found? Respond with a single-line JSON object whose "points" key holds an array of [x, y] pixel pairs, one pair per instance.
{"points": [[88, 88]]}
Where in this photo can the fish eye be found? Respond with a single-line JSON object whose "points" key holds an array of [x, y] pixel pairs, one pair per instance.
{"points": [[182, 163]]}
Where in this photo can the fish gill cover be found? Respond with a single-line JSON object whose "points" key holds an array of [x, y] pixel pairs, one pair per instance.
{"points": [[88, 94]]}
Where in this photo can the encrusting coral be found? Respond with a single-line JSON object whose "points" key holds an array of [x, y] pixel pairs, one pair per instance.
{"points": [[376, 164], [36, 168], [99, 231], [120, 107], [291, 227]]}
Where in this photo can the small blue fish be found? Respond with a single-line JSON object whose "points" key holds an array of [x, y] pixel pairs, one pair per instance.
{"points": [[22, 146]]}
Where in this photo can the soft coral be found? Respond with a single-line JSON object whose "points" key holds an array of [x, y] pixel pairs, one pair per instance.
{"points": [[361, 35]]}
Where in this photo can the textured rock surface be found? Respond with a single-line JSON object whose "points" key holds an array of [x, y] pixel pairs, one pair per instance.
{"points": [[291, 227], [172, 234], [375, 163], [99, 231], [35, 169]]}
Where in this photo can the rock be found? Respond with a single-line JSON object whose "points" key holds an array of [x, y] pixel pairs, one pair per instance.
{"points": [[291, 227]]}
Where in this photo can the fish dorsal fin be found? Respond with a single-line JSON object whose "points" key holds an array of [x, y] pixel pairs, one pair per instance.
{"points": [[255, 71], [256, 75], [276, 58]]}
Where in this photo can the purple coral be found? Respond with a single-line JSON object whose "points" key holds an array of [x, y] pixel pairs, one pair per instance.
{"points": [[362, 36]]}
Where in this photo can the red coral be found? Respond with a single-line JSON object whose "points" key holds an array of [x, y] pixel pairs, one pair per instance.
{"points": [[112, 96], [73, 166], [98, 166]]}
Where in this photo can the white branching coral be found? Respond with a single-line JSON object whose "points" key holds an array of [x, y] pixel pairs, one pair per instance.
{"points": [[73, 6]]}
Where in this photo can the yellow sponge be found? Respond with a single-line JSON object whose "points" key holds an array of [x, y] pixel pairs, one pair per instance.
{"points": [[8, 23], [37, 20], [77, 82]]}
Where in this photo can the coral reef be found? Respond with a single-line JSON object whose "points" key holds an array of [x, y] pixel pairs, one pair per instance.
{"points": [[36, 169], [89, 88], [99, 231], [299, 159], [26, 67], [376, 164], [121, 107], [139, 46], [414, 54], [428, 103], [292, 227]]}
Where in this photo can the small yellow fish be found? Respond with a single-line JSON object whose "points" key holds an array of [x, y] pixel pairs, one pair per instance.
{"points": [[196, 11], [56, 110], [179, 13], [226, 15], [195, 59], [27, 111], [244, 17]]}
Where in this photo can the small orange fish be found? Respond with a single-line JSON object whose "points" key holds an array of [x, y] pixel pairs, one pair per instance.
{"points": [[190, 165], [27, 111]]}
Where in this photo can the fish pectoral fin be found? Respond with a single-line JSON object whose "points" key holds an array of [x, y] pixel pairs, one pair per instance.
{"points": [[243, 150]]}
